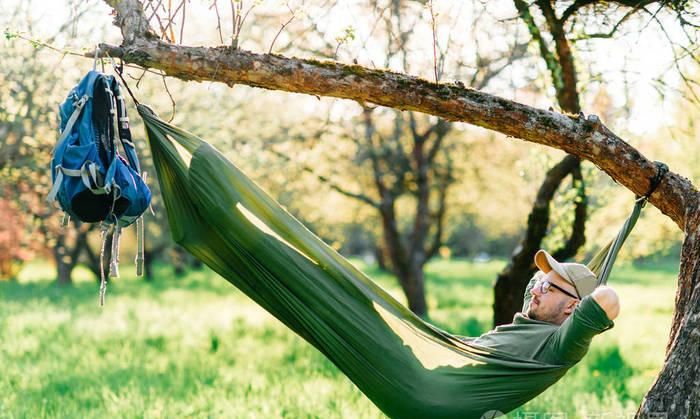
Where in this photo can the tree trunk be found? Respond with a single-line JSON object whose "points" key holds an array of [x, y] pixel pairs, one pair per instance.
{"points": [[64, 268], [676, 391], [150, 255], [179, 261], [511, 282], [410, 275], [381, 258], [413, 281], [66, 258], [416, 295], [148, 258], [196, 264]]}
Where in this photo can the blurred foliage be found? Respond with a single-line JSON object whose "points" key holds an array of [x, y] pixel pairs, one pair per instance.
{"points": [[15, 246], [28, 91], [496, 178]]}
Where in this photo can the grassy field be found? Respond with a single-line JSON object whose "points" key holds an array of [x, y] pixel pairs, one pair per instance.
{"points": [[196, 347]]}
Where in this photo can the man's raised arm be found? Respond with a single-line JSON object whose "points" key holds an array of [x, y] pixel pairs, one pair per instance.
{"points": [[608, 300]]}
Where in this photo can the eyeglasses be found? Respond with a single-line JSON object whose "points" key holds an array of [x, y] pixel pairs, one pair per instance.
{"points": [[544, 286]]}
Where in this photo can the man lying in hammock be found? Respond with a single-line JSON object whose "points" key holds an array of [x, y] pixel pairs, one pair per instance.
{"points": [[563, 310]]}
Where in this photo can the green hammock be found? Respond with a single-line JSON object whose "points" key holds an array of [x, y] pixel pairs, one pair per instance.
{"points": [[406, 366]]}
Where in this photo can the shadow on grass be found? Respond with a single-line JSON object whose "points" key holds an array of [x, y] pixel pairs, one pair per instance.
{"points": [[87, 292]]}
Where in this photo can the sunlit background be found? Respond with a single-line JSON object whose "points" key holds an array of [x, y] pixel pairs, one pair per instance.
{"points": [[184, 343]]}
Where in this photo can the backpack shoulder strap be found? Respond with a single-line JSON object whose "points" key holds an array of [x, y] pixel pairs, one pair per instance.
{"points": [[123, 128], [58, 178]]}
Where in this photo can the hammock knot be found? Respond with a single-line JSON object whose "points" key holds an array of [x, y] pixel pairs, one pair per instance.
{"points": [[661, 170]]}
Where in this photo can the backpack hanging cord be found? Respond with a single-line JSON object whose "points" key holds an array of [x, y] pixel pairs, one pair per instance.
{"points": [[104, 230], [139, 246], [97, 53], [120, 70], [114, 255], [140, 231]]}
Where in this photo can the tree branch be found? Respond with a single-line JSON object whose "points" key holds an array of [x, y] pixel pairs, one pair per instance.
{"points": [[588, 139], [578, 226], [611, 32], [324, 179], [567, 92], [132, 21], [445, 181], [575, 6], [442, 127], [553, 64]]}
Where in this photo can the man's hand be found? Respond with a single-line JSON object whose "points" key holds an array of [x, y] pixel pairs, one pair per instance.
{"points": [[608, 300]]}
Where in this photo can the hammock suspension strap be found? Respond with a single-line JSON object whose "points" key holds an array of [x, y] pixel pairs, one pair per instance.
{"points": [[661, 170]]}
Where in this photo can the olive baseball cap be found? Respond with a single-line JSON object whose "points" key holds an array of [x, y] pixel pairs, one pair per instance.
{"points": [[576, 274]]}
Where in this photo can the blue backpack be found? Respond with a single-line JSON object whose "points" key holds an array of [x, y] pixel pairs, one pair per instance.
{"points": [[92, 181]]}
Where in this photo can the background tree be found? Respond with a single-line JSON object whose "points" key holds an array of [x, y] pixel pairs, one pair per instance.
{"points": [[556, 29], [511, 282], [28, 93], [676, 390], [402, 166], [29, 96]]}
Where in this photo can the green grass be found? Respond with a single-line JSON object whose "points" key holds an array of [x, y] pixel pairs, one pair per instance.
{"points": [[196, 347]]}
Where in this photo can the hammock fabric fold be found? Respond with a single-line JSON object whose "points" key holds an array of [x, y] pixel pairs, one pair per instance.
{"points": [[405, 366]]}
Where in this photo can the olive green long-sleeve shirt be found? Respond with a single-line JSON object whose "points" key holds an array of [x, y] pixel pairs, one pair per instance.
{"points": [[547, 342]]}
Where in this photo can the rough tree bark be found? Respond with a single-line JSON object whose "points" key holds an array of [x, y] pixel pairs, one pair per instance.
{"points": [[676, 391]]}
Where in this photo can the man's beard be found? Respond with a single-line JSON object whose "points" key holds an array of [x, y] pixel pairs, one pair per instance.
{"points": [[531, 314], [549, 317], [531, 311]]}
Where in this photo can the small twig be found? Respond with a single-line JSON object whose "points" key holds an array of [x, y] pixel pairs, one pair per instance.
{"points": [[155, 9], [653, 15], [236, 7], [688, 83], [326, 180], [169, 26], [218, 20], [65, 52], [432, 17], [138, 80], [607, 35], [282, 28], [171, 18], [36, 42], [349, 34], [163, 32], [182, 22], [172, 101], [245, 16]]}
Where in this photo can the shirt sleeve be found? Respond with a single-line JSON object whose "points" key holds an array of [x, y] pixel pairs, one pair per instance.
{"points": [[570, 342], [527, 296]]}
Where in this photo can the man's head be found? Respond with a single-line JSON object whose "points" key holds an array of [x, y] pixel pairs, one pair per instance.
{"points": [[559, 288]]}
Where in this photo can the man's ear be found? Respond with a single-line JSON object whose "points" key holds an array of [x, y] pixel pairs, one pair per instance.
{"points": [[571, 306]]}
